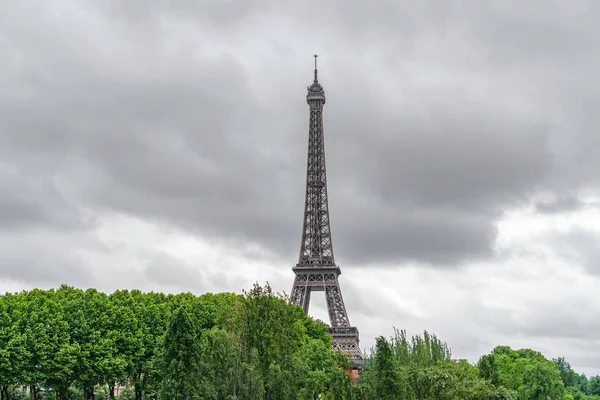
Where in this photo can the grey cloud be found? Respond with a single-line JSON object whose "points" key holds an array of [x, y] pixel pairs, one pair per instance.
{"points": [[17, 212], [161, 132], [45, 260], [26, 203], [442, 237], [564, 316], [560, 205], [532, 35], [579, 245], [166, 270], [216, 14], [360, 304], [560, 326], [434, 189], [569, 321], [457, 163]]}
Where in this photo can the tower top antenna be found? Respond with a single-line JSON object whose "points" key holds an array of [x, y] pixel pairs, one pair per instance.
{"points": [[315, 67]]}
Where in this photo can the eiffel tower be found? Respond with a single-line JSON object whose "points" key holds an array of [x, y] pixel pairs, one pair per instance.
{"points": [[316, 269]]}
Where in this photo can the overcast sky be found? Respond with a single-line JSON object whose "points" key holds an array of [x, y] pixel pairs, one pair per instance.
{"points": [[161, 145]]}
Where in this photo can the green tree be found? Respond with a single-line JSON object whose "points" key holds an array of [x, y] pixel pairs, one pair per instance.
{"points": [[13, 346], [124, 333], [144, 371], [525, 371], [568, 376], [594, 386], [51, 355], [182, 374], [86, 314], [218, 355], [75, 344], [391, 382], [542, 381]]}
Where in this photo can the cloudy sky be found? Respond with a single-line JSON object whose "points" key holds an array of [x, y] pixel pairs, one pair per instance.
{"points": [[161, 145]]}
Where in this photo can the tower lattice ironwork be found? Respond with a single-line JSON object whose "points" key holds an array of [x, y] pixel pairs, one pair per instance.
{"points": [[316, 269]]}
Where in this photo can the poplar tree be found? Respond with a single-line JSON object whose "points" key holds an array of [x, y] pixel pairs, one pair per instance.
{"points": [[182, 375]]}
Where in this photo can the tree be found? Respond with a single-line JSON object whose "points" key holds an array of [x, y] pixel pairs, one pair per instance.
{"points": [[568, 376], [391, 382], [182, 363], [152, 310], [87, 323], [68, 343], [13, 346], [51, 355], [423, 351], [219, 357], [124, 333], [542, 381], [594, 386], [525, 371]]}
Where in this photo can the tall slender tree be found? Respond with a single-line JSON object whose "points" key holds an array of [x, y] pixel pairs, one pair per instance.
{"points": [[182, 363]]}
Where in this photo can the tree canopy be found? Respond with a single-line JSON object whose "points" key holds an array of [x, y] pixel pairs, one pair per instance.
{"points": [[69, 343]]}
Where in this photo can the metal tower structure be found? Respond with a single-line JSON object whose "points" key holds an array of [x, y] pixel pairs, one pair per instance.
{"points": [[316, 269]]}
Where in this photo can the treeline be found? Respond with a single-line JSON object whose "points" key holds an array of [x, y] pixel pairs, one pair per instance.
{"points": [[74, 344], [69, 343], [421, 368]]}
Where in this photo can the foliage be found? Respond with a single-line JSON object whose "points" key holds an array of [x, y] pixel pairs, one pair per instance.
{"points": [[76, 344], [578, 386], [214, 346], [182, 360], [421, 368]]}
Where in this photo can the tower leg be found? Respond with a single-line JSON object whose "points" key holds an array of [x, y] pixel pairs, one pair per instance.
{"points": [[301, 296], [345, 337], [306, 303], [335, 306]]}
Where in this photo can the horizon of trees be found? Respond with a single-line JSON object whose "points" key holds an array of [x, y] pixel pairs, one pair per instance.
{"points": [[69, 343]]}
